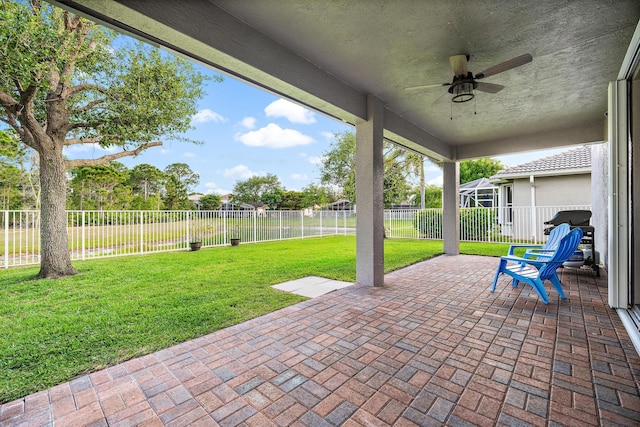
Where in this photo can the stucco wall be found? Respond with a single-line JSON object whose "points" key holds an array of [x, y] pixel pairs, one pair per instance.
{"points": [[566, 190], [552, 191]]}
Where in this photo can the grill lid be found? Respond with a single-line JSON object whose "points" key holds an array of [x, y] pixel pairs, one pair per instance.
{"points": [[576, 218]]}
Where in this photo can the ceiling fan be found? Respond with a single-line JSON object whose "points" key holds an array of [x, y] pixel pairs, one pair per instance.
{"points": [[464, 82]]}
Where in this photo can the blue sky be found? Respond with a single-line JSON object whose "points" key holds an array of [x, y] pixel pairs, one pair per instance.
{"points": [[246, 132]]}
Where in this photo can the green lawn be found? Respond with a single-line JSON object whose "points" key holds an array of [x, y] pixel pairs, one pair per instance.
{"points": [[120, 308]]}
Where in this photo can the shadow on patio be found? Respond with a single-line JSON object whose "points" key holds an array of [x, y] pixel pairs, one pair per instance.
{"points": [[433, 347]]}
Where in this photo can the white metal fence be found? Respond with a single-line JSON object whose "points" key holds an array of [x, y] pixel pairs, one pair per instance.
{"points": [[94, 234], [500, 225]]}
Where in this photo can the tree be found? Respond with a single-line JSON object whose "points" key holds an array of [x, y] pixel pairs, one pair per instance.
{"points": [[250, 190], [18, 173], [470, 170], [100, 187], [61, 84], [313, 195], [147, 183], [210, 202], [184, 174], [339, 169], [432, 196], [175, 195]]}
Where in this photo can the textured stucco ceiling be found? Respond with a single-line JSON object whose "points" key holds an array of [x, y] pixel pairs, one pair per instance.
{"points": [[330, 54]]}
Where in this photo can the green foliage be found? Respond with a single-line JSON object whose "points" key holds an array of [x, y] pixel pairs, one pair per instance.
{"points": [[183, 173], [313, 195], [251, 190], [475, 223], [99, 188], [470, 170], [339, 169], [210, 202]]}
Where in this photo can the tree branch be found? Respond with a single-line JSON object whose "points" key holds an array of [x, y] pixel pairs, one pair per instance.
{"points": [[90, 105], [85, 86], [104, 159]]}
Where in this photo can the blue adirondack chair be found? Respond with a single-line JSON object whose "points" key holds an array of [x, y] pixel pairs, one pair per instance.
{"points": [[535, 272], [542, 252]]}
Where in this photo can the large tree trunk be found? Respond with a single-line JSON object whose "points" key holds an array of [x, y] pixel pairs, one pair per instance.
{"points": [[56, 259]]}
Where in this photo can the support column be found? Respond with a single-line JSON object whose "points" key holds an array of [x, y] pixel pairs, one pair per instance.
{"points": [[451, 208], [369, 196]]}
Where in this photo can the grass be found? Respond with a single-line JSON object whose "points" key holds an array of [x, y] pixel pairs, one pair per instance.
{"points": [[120, 308]]}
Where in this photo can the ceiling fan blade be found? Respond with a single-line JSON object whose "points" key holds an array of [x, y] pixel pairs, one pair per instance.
{"points": [[489, 87], [426, 86], [506, 65], [459, 65]]}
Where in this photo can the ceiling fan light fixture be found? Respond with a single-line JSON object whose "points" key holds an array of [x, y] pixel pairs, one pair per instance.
{"points": [[462, 92]]}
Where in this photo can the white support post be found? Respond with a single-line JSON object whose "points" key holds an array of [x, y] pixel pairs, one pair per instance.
{"points": [[255, 226], [301, 225], [451, 208], [369, 191]]}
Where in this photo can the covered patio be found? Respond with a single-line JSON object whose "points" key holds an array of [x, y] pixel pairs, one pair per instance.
{"points": [[430, 347]]}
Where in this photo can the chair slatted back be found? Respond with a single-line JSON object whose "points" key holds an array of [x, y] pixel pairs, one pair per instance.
{"points": [[566, 248], [556, 236]]}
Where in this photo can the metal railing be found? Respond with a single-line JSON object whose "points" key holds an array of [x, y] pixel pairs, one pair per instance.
{"points": [[94, 234], [499, 225]]}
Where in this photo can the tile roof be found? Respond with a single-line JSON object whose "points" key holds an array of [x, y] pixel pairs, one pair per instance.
{"points": [[578, 158]]}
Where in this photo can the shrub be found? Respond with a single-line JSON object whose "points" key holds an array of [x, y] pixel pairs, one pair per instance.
{"points": [[475, 223]]}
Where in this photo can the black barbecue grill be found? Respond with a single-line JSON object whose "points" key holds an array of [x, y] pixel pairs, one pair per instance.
{"points": [[578, 219]]}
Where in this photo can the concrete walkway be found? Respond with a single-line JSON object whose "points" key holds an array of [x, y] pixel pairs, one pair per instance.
{"points": [[432, 347]]}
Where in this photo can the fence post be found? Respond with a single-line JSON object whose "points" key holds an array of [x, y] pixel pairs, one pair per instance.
{"points": [[255, 226], [321, 224], [188, 226], [6, 239], [141, 232], [83, 235], [280, 224], [301, 225], [224, 227]]}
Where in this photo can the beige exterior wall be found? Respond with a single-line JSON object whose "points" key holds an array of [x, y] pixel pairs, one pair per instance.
{"points": [[550, 191]]}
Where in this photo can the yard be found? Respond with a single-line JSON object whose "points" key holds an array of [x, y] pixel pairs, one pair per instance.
{"points": [[120, 308]]}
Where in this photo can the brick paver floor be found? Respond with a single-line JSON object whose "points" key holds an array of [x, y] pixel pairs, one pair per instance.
{"points": [[433, 347]]}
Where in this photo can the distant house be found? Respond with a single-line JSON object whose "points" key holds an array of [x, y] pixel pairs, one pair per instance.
{"points": [[561, 180]]}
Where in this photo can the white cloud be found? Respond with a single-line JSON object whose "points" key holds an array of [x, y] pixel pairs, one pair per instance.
{"points": [[437, 181], [189, 154], [248, 122], [300, 177], [241, 172], [207, 115], [292, 112], [273, 136], [432, 168], [328, 135], [165, 151], [314, 160]]}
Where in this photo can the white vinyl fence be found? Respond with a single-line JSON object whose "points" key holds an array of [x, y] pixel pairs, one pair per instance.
{"points": [[94, 234]]}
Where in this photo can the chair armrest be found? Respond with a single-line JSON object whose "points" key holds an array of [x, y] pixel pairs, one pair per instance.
{"points": [[539, 253], [512, 247], [521, 260]]}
